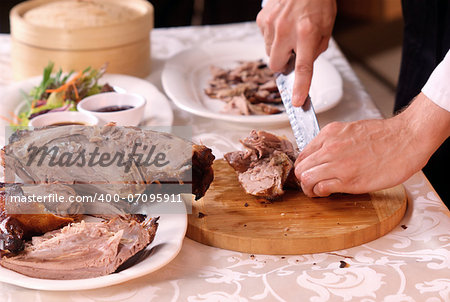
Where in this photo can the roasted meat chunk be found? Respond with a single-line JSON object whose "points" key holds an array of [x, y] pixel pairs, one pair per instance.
{"points": [[82, 250], [266, 167], [106, 160]]}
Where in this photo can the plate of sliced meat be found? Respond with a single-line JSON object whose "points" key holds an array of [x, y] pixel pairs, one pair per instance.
{"points": [[232, 82], [82, 225], [79, 246]]}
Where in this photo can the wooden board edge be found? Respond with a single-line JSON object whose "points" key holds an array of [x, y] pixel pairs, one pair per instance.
{"points": [[282, 246]]}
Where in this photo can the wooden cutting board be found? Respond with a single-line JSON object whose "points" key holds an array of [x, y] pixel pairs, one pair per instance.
{"points": [[227, 217]]}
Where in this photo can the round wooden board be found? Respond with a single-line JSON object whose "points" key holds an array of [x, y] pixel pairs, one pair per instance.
{"points": [[227, 217]]}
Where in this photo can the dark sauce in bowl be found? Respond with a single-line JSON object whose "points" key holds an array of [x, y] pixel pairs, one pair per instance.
{"points": [[67, 124], [114, 108]]}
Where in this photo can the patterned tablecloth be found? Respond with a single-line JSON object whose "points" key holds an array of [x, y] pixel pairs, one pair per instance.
{"points": [[411, 263]]}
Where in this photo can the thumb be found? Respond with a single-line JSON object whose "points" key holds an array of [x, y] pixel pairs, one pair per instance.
{"points": [[302, 82]]}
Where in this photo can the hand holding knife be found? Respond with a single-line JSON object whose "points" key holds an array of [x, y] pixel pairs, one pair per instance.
{"points": [[303, 119]]}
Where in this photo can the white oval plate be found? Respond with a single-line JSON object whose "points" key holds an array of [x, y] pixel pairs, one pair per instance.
{"points": [[186, 75], [166, 245]]}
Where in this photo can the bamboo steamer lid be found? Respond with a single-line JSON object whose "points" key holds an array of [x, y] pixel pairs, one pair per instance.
{"points": [[75, 34]]}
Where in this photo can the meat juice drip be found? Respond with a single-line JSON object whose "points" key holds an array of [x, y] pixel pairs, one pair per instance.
{"points": [[114, 108]]}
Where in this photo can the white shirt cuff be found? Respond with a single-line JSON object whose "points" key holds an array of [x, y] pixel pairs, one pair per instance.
{"points": [[437, 87]]}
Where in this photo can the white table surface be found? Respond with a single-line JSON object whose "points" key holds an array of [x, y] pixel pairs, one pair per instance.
{"points": [[407, 264]]}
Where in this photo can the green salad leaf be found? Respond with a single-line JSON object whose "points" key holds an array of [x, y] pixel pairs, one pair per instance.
{"points": [[58, 91]]}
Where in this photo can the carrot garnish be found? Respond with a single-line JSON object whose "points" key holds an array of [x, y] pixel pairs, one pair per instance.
{"points": [[66, 85], [18, 119], [8, 120], [77, 96]]}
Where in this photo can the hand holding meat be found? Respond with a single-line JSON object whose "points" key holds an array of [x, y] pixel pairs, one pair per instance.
{"points": [[302, 26], [370, 155]]}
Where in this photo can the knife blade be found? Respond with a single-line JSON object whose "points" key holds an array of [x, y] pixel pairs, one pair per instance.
{"points": [[303, 119]]}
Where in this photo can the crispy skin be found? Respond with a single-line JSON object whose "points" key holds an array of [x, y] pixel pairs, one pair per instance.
{"points": [[202, 171], [33, 224], [16, 228]]}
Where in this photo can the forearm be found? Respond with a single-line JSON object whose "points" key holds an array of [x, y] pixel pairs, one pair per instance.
{"points": [[427, 123], [370, 155]]}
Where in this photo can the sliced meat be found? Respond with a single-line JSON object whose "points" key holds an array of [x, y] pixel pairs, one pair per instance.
{"points": [[31, 155], [270, 86], [82, 250], [248, 89], [267, 178], [217, 72], [263, 109], [266, 168], [237, 90], [241, 161], [263, 144], [237, 105], [107, 88]]}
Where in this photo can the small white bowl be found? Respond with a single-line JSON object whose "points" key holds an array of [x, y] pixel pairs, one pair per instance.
{"points": [[128, 117], [63, 117]]}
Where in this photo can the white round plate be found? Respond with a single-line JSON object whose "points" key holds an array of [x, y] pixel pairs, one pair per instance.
{"points": [[166, 245], [186, 75], [157, 111]]}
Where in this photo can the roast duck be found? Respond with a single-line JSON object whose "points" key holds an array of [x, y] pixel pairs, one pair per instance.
{"points": [[47, 241]]}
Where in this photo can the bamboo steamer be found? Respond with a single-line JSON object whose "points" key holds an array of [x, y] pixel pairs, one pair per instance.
{"points": [[124, 46]]}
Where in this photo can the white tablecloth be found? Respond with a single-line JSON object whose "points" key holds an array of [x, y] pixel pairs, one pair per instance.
{"points": [[411, 263]]}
